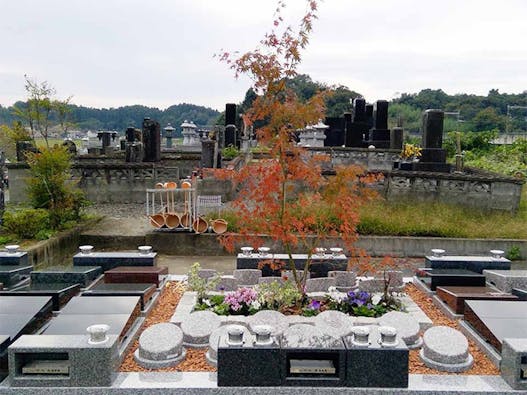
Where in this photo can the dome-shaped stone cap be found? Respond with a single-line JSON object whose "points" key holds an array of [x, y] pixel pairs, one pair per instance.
{"points": [[160, 342]]}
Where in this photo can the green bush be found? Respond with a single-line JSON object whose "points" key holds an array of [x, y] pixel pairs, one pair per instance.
{"points": [[50, 187], [230, 152], [27, 223]]}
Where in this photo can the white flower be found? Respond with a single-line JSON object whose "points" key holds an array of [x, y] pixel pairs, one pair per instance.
{"points": [[375, 299], [256, 305], [332, 289], [207, 302]]}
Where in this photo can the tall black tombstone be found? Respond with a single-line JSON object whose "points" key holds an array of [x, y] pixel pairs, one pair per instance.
{"points": [[368, 110], [433, 156], [230, 124], [358, 128], [396, 138], [207, 153], [151, 140], [379, 135], [130, 134], [335, 135]]}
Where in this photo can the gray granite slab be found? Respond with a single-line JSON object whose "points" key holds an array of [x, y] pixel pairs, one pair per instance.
{"points": [[334, 323], [506, 280], [320, 284], [78, 323], [90, 365], [212, 352], [198, 327], [276, 320], [514, 363], [344, 278], [12, 274], [247, 276], [160, 345], [406, 325], [446, 349], [309, 336]]}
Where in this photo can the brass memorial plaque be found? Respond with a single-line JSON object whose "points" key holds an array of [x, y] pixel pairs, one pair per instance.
{"points": [[47, 367]]}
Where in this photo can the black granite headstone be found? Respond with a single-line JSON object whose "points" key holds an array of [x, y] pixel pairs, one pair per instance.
{"points": [[335, 136], [144, 291], [230, 124], [60, 293], [380, 115], [134, 152], [101, 305], [130, 134], [433, 156], [11, 275], [151, 140], [396, 138], [207, 153], [359, 110], [369, 115]]}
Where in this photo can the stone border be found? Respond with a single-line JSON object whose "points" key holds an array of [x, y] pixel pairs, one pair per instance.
{"points": [[197, 383], [485, 347]]}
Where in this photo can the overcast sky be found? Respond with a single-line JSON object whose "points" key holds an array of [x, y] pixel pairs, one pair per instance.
{"points": [[108, 53]]}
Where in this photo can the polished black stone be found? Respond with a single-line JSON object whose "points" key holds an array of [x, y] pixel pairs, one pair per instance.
{"points": [[83, 275], [520, 293], [23, 315], [473, 263], [21, 304], [335, 135], [454, 277], [359, 110], [144, 291], [13, 274], [248, 366], [101, 305], [18, 258], [376, 366], [65, 324], [319, 266], [433, 129], [110, 260], [59, 293], [380, 114]]}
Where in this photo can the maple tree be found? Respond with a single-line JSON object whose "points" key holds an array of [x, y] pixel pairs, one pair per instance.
{"points": [[285, 195]]}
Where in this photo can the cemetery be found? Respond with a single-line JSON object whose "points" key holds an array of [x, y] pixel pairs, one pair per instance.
{"points": [[291, 298]]}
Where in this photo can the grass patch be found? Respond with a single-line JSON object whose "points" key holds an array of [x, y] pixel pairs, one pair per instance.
{"points": [[382, 218]]}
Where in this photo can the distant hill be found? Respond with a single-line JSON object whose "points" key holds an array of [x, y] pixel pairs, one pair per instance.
{"points": [[86, 118]]}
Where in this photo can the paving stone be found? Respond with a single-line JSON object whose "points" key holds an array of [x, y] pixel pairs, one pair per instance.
{"points": [[334, 323], [274, 319], [212, 353], [198, 327], [309, 336], [247, 276], [160, 345], [344, 278], [227, 283], [320, 284], [446, 349], [406, 325]]}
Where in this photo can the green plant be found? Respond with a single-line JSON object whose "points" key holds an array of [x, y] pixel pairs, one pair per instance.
{"points": [[514, 253], [230, 152], [49, 186], [201, 285], [279, 296], [27, 223]]}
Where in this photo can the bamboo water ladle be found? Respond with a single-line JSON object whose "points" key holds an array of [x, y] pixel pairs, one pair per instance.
{"points": [[173, 219], [158, 220]]}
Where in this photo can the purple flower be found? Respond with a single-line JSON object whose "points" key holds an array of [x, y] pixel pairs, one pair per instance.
{"points": [[314, 305]]}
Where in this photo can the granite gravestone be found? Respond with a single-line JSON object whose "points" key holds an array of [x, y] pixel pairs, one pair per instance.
{"points": [[60, 293], [230, 125], [145, 291], [455, 297], [446, 349], [433, 156], [151, 140], [357, 127], [335, 134], [379, 134], [474, 263]]}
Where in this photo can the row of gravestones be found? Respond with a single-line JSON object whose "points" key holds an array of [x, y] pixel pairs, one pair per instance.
{"points": [[329, 333], [343, 281]]}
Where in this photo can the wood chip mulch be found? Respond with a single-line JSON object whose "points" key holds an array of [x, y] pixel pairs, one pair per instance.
{"points": [[482, 365], [195, 360], [162, 312]]}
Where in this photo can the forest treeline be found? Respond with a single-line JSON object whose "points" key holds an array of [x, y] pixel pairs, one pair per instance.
{"points": [[503, 112]]}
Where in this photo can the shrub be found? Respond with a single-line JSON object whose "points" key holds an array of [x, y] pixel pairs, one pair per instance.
{"points": [[201, 285], [27, 223], [514, 253], [230, 152], [49, 186]]}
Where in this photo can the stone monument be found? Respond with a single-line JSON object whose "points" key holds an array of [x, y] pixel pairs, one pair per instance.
{"points": [[230, 125], [169, 134], [151, 140], [433, 156], [190, 137], [357, 127], [379, 134]]}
